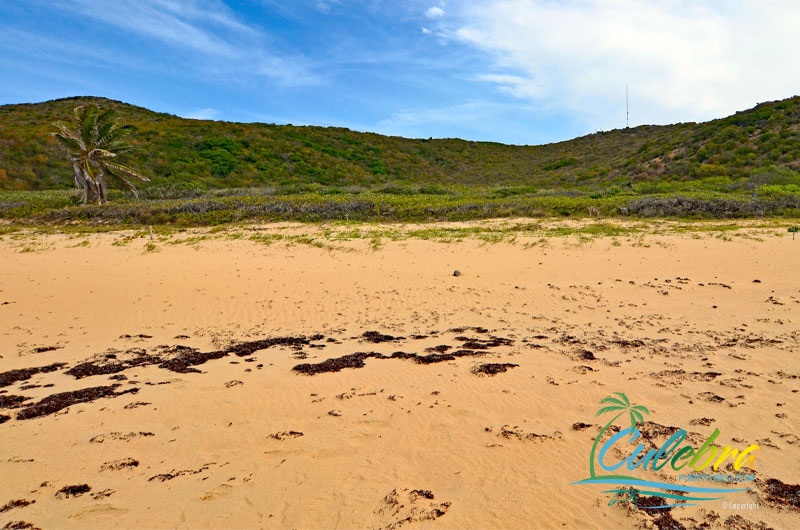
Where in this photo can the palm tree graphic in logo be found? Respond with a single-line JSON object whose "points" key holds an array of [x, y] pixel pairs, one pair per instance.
{"points": [[623, 405]]}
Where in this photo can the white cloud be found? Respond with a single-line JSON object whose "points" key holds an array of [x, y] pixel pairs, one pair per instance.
{"points": [[683, 60], [426, 31], [513, 84], [434, 12]]}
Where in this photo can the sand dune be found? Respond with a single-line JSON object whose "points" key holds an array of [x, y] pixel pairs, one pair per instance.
{"points": [[228, 383]]}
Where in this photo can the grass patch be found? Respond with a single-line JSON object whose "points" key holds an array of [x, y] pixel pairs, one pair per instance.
{"points": [[59, 208]]}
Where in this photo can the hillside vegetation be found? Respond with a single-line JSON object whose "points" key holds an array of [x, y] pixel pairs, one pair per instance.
{"points": [[206, 173], [181, 152]]}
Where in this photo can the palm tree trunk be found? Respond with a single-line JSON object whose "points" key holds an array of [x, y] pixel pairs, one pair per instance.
{"points": [[91, 186], [596, 441], [80, 182], [101, 187]]}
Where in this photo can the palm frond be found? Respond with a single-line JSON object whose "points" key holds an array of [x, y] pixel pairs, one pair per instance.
{"points": [[78, 112], [105, 122], [612, 400], [61, 126], [66, 131], [642, 409], [624, 398], [116, 146], [115, 133], [608, 409], [70, 143], [124, 169], [88, 124], [638, 415], [97, 154], [125, 182]]}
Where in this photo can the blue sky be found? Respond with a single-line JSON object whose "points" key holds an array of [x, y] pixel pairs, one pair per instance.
{"points": [[515, 71]]}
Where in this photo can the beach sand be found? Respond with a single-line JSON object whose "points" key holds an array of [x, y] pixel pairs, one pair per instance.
{"points": [[195, 415]]}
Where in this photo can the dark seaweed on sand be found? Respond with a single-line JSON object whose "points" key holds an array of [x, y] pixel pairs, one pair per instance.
{"points": [[73, 491], [785, 494], [55, 402], [23, 374], [493, 368], [182, 359], [376, 338], [11, 401], [356, 360]]}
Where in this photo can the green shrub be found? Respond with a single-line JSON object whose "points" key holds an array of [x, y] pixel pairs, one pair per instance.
{"points": [[560, 163]]}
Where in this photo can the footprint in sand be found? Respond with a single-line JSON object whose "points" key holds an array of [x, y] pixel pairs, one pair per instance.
{"points": [[409, 506]]}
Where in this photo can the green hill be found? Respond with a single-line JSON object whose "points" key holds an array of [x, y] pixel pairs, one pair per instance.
{"points": [[756, 146]]}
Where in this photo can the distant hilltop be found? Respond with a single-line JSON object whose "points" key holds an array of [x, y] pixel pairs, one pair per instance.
{"points": [[215, 154]]}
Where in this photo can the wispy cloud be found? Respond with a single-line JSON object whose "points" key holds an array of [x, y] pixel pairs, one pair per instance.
{"points": [[28, 45], [202, 27], [205, 28]]}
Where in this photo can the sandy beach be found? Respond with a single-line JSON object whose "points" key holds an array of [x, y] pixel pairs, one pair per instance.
{"points": [[185, 382]]}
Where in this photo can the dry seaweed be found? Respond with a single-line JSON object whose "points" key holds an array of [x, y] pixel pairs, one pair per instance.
{"points": [[55, 402]]}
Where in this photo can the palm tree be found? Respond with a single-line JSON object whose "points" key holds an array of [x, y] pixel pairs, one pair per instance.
{"points": [[92, 148], [623, 405]]}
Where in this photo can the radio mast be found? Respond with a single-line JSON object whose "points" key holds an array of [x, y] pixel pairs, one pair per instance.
{"points": [[627, 109]]}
